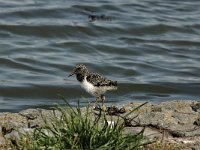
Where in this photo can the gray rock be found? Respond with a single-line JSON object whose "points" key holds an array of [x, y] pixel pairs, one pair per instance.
{"points": [[37, 117], [11, 121], [148, 132], [31, 113], [176, 119]]}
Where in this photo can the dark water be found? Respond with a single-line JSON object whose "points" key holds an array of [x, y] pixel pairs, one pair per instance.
{"points": [[151, 47]]}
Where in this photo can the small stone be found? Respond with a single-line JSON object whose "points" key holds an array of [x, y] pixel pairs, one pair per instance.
{"points": [[196, 107], [122, 110], [113, 110], [197, 122]]}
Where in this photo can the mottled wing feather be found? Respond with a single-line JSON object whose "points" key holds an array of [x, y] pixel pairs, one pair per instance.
{"points": [[98, 80]]}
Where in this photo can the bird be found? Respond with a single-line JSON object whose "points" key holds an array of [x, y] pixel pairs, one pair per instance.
{"points": [[93, 83]]}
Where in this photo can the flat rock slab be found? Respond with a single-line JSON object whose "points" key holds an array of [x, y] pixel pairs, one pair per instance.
{"points": [[175, 117], [176, 121]]}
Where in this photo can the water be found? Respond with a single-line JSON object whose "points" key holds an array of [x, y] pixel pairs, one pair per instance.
{"points": [[151, 47]]}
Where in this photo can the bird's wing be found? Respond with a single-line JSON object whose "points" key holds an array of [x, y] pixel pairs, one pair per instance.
{"points": [[98, 80]]}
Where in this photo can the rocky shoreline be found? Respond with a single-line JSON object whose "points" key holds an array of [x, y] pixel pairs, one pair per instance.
{"points": [[173, 122]]}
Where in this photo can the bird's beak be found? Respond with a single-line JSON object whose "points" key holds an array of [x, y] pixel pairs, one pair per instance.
{"points": [[71, 74]]}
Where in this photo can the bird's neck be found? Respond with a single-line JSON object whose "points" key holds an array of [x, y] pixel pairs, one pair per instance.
{"points": [[80, 77]]}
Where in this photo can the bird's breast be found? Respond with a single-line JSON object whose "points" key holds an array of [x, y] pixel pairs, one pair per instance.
{"points": [[88, 87]]}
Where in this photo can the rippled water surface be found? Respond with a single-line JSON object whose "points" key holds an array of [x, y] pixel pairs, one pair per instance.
{"points": [[151, 47]]}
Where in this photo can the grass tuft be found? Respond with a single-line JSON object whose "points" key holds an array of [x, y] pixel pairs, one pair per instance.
{"points": [[77, 129]]}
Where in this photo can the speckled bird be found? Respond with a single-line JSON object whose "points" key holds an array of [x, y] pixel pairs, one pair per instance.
{"points": [[93, 83]]}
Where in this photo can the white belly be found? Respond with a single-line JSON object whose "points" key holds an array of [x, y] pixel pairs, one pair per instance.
{"points": [[95, 91], [88, 87]]}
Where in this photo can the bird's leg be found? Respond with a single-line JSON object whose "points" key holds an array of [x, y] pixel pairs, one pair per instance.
{"points": [[103, 98], [97, 99], [96, 102]]}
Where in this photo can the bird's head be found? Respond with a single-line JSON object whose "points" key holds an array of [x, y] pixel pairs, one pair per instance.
{"points": [[79, 69]]}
